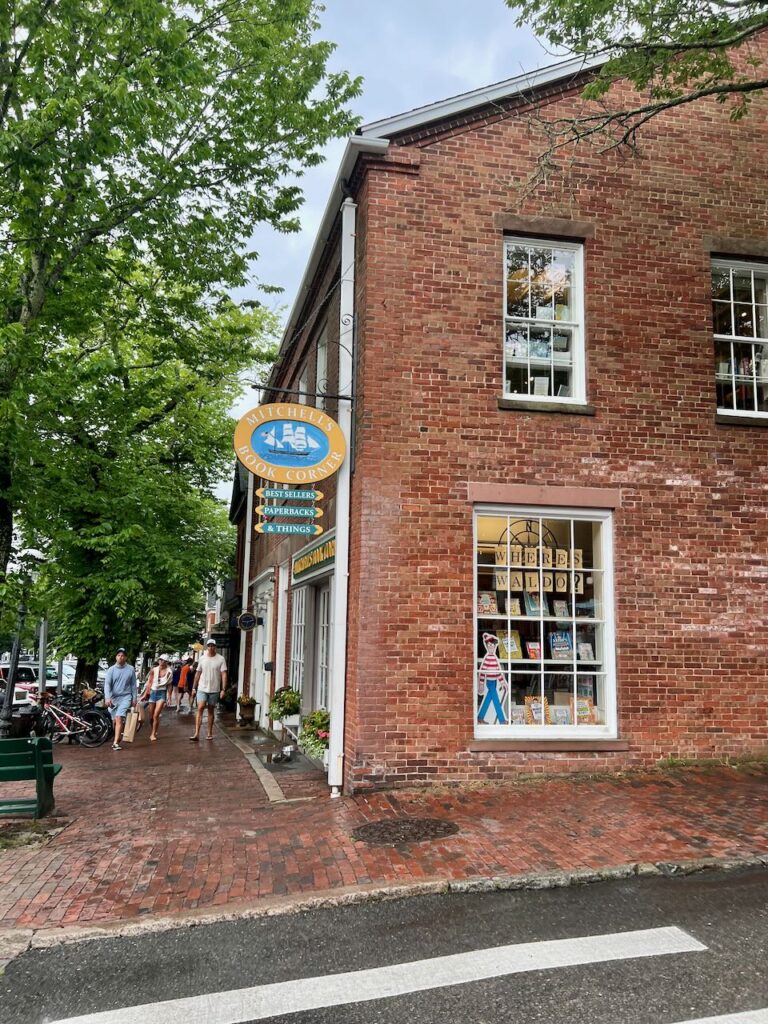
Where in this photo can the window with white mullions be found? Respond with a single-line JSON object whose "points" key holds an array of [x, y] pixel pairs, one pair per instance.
{"points": [[298, 634], [740, 323], [544, 659], [543, 321]]}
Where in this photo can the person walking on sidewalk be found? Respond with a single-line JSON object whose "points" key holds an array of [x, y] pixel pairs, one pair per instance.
{"points": [[155, 689], [210, 684], [173, 689], [120, 692], [186, 678]]}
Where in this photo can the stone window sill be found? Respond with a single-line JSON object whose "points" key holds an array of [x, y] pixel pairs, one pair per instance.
{"points": [[571, 409], [544, 746], [741, 421]]}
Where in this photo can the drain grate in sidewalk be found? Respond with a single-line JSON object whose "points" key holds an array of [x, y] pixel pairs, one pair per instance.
{"points": [[395, 831]]}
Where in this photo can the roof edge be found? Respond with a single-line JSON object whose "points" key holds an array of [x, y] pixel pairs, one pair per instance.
{"points": [[488, 94]]}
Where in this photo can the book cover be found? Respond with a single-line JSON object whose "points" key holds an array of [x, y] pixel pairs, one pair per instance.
{"points": [[533, 649], [561, 609], [560, 645], [535, 603], [561, 715], [513, 606], [537, 711], [584, 711], [486, 602], [509, 644], [585, 651], [585, 687]]}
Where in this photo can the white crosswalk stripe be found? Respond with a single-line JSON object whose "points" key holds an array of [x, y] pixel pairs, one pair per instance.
{"points": [[747, 1017], [264, 1001]]}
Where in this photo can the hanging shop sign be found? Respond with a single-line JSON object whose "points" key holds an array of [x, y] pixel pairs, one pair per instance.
{"points": [[289, 511], [315, 559], [289, 444], [301, 494], [305, 529], [246, 621]]}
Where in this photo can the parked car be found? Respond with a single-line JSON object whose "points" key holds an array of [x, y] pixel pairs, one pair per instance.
{"points": [[25, 673], [67, 676]]}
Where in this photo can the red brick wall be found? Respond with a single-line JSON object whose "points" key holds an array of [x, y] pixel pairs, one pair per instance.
{"points": [[691, 541]]}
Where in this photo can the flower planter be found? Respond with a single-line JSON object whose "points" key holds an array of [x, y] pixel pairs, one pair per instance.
{"points": [[247, 712]]}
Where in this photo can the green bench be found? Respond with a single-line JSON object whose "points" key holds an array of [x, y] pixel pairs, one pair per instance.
{"points": [[29, 759]]}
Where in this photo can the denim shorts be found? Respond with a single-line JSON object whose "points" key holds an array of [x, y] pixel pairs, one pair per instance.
{"points": [[156, 695], [211, 699], [120, 706]]}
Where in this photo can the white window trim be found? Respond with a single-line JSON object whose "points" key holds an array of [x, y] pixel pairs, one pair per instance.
{"points": [[298, 638], [726, 264], [577, 325], [321, 368], [536, 733]]}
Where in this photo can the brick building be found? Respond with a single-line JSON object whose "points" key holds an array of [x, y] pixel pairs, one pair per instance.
{"points": [[553, 524]]}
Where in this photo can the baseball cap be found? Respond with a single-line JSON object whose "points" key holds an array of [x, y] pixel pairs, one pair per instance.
{"points": [[210, 642], [164, 657], [121, 650]]}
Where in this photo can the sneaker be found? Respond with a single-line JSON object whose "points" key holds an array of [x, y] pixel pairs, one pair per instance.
{"points": [[116, 746]]}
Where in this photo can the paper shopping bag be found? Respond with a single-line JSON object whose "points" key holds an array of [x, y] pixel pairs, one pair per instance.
{"points": [[131, 723]]}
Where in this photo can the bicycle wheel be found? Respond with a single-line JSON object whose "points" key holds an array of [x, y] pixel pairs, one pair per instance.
{"points": [[96, 732], [43, 725]]}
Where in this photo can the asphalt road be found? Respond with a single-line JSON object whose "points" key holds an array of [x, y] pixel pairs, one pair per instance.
{"points": [[724, 916]]}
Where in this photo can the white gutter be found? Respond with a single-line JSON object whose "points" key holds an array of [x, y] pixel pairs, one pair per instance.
{"points": [[246, 582], [343, 480]]}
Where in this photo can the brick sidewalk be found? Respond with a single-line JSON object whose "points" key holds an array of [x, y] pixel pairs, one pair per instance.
{"points": [[176, 826]]}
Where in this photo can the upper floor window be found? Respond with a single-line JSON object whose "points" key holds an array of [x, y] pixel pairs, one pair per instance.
{"points": [[321, 368], [740, 319], [302, 386], [543, 320]]}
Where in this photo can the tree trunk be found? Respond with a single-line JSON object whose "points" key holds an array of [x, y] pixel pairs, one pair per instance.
{"points": [[6, 526], [85, 675]]}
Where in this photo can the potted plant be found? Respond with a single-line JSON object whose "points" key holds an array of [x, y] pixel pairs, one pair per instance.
{"points": [[314, 735], [284, 704], [247, 708]]}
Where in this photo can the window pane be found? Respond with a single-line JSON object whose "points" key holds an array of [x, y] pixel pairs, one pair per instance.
{"points": [[542, 285], [721, 318], [721, 283], [517, 281], [562, 272], [761, 321], [742, 286], [744, 321]]}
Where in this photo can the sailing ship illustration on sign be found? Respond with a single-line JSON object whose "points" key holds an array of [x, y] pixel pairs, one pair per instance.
{"points": [[290, 437]]}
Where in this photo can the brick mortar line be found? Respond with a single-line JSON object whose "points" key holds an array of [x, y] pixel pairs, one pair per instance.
{"points": [[13, 944]]}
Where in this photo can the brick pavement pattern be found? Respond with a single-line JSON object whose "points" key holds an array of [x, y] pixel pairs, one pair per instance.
{"points": [[178, 826]]}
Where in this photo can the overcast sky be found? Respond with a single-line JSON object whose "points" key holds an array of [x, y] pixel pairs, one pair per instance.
{"points": [[409, 53]]}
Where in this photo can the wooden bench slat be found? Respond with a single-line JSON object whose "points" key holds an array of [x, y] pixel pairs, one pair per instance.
{"points": [[29, 759]]}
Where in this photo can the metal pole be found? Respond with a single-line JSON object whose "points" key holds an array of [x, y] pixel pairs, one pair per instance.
{"points": [[10, 684], [42, 655], [242, 688]]}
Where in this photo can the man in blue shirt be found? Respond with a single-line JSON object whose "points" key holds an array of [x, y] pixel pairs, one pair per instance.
{"points": [[119, 693]]}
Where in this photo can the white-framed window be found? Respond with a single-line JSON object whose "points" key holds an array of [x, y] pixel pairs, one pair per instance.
{"points": [[544, 630], [740, 322], [321, 368], [298, 633], [323, 640], [302, 386], [544, 321]]}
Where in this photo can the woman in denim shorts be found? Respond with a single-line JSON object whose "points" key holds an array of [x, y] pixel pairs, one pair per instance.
{"points": [[155, 691]]}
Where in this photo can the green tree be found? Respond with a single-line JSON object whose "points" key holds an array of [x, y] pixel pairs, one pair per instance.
{"points": [[145, 131], [673, 52], [129, 431]]}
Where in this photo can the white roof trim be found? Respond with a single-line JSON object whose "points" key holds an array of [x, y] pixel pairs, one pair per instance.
{"points": [[478, 97]]}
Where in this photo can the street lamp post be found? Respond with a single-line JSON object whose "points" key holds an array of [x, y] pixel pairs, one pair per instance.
{"points": [[7, 710]]}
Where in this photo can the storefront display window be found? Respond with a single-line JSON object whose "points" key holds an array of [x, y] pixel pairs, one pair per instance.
{"points": [[544, 629]]}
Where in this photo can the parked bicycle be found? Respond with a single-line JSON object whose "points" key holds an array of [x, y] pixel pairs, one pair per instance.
{"points": [[63, 720]]}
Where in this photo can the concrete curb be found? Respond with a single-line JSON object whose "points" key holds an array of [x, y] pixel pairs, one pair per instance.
{"points": [[14, 942]]}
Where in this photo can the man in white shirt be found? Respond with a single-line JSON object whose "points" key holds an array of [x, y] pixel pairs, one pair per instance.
{"points": [[209, 685]]}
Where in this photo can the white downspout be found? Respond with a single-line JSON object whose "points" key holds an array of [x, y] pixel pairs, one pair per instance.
{"points": [[343, 477], [246, 583]]}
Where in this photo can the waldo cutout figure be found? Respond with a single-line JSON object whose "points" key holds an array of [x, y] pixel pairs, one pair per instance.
{"points": [[492, 682]]}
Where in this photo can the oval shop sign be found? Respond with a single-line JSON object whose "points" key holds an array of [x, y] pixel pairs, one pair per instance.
{"points": [[289, 443]]}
